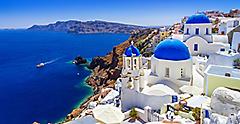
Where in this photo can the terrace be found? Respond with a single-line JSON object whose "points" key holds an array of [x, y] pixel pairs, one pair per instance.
{"points": [[223, 71]]}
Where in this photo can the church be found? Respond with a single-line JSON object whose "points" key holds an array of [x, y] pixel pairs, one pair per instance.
{"points": [[199, 38], [143, 85]]}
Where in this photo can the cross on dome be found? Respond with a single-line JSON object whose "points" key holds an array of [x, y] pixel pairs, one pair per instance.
{"points": [[132, 50], [132, 42]]}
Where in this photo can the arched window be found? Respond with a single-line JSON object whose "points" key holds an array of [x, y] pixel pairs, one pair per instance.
{"points": [[167, 72], [135, 61], [207, 32], [128, 63], [187, 31], [197, 31], [195, 47]]}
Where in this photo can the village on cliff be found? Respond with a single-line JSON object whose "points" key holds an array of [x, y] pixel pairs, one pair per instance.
{"points": [[191, 77]]}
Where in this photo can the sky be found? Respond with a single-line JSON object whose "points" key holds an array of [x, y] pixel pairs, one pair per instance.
{"points": [[25, 13]]}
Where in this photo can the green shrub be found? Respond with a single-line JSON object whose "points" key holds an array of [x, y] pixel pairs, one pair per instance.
{"points": [[133, 113]]}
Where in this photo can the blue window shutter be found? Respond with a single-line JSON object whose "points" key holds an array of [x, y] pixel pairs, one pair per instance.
{"points": [[174, 99]]}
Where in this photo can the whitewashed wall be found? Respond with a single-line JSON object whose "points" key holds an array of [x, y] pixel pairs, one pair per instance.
{"points": [[174, 67], [202, 31], [131, 98], [203, 46], [222, 28], [221, 59], [235, 40]]}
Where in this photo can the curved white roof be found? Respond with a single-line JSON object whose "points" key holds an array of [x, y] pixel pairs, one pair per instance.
{"points": [[159, 90]]}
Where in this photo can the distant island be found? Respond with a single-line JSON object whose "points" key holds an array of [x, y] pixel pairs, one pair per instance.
{"points": [[79, 27]]}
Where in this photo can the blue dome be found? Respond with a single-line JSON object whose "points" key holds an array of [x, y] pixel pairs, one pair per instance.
{"points": [[198, 18], [131, 50], [172, 49]]}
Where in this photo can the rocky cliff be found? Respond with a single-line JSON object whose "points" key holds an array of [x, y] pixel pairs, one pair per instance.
{"points": [[74, 26], [108, 68]]}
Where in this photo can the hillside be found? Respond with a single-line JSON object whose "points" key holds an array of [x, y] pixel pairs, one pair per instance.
{"points": [[106, 69], [73, 26]]}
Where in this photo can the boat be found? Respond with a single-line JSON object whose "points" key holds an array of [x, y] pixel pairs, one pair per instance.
{"points": [[40, 65]]}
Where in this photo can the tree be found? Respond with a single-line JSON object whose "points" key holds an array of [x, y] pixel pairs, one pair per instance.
{"points": [[196, 113]]}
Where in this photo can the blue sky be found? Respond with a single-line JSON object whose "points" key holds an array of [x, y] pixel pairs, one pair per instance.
{"points": [[24, 13]]}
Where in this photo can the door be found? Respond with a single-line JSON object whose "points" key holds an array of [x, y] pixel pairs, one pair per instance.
{"points": [[195, 47]]}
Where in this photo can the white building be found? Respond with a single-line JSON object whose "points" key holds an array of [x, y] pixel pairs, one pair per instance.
{"points": [[199, 38], [227, 24], [222, 58], [171, 68], [171, 63], [155, 81], [220, 76]]}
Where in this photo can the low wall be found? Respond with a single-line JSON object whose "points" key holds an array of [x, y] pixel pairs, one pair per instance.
{"points": [[131, 98], [211, 82]]}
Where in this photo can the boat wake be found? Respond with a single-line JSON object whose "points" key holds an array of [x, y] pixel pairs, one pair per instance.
{"points": [[48, 62], [52, 61]]}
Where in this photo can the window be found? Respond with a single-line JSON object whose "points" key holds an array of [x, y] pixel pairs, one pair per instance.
{"points": [[128, 63], [187, 31], [167, 72], [235, 23], [222, 49], [195, 47], [135, 63], [197, 31], [207, 32], [222, 32]]}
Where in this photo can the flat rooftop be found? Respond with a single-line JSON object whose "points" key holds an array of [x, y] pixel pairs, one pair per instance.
{"points": [[222, 70]]}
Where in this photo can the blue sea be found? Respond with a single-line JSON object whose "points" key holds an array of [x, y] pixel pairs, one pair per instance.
{"points": [[47, 94]]}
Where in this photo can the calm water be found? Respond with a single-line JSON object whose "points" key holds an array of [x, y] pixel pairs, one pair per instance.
{"points": [[28, 94]]}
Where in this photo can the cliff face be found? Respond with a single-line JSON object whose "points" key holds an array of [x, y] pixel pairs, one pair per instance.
{"points": [[108, 68], [73, 26]]}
